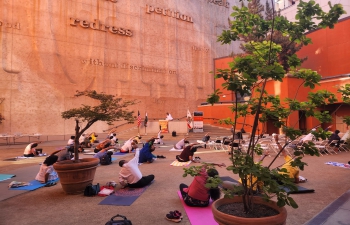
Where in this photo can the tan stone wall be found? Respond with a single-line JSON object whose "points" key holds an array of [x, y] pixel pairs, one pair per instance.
{"points": [[49, 49]]}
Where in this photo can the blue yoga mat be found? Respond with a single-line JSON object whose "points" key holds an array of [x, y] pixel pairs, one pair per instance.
{"points": [[6, 176], [33, 185], [124, 197]]}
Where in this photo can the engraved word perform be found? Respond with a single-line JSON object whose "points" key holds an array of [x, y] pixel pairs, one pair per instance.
{"points": [[96, 25], [10, 25], [168, 12], [220, 2]]}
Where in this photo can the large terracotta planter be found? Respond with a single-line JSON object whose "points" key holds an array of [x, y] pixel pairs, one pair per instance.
{"points": [[74, 177], [226, 219]]}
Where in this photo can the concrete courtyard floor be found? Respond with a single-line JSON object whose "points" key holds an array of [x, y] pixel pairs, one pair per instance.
{"points": [[49, 205]]}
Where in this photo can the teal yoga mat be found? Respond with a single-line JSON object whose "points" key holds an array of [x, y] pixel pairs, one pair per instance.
{"points": [[6, 176]]}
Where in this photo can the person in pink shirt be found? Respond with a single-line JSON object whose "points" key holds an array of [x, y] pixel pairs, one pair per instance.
{"points": [[197, 194]]}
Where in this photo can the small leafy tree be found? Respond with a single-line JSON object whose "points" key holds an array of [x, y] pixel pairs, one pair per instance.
{"points": [[109, 109], [265, 60]]}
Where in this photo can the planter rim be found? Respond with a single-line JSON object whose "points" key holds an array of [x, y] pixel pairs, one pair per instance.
{"points": [[258, 200]]}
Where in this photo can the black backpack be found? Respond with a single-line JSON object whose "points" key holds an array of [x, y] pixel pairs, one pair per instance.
{"points": [[106, 160], [92, 190]]}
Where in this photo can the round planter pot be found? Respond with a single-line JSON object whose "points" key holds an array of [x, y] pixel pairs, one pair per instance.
{"points": [[74, 177], [226, 219]]}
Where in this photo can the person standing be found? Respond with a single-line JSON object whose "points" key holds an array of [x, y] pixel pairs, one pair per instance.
{"points": [[130, 174], [169, 117]]}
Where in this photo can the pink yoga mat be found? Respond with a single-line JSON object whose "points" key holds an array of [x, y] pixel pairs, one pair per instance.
{"points": [[199, 215]]}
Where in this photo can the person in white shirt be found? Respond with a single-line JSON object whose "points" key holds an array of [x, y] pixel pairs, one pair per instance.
{"points": [[129, 145], [168, 117], [159, 139], [181, 143], [81, 139], [71, 140], [130, 174], [308, 137]]}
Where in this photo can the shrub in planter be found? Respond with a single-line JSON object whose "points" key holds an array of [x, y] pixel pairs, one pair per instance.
{"points": [[75, 175], [268, 57]]}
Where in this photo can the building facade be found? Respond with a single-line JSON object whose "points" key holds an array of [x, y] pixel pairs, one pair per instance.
{"points": [[328, 55], [157, 52]]}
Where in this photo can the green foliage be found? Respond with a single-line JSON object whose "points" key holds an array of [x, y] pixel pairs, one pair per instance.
{"points": [[215, 97], [270, 45], [107, 108]]}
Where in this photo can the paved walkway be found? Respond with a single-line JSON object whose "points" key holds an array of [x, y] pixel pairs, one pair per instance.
{"points": [[330, 204]]}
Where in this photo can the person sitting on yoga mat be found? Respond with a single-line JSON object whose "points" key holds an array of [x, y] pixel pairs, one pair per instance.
{"points": [[129, 145], [187, 154], [292, 171], [146, 155], [130, 174], [181, 143], [197, 194], [64, 153], [159, 139], [47, 173], [104, 152], [30, 150], [104, 144]]}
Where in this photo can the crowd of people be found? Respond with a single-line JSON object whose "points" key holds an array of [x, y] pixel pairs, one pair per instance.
{"points": [[196, 194]]}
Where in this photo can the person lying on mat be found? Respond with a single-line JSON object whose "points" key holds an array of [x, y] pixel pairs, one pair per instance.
{"points": [[30, 150], [130, 174], [146, 155], [105, 153], [187, 154], [47, 173], [181, 143], [197, 194], [292, 171], [129, 145]]}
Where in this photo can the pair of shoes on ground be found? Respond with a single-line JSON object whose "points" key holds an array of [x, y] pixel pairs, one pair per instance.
{"points": [[161, 156], [174, 216], [197, 158]]}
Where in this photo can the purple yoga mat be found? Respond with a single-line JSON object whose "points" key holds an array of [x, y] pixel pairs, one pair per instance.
{"points": [[124, 197], [199, 215]]}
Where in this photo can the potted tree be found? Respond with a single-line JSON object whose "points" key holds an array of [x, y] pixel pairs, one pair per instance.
{"points": [[76, 174], [267, 58]]}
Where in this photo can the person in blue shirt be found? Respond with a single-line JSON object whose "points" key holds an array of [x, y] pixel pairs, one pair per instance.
{"points": [[146, 155]]}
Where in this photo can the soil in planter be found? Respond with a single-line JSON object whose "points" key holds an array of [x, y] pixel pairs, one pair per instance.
{"points": [[237, 209]]}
